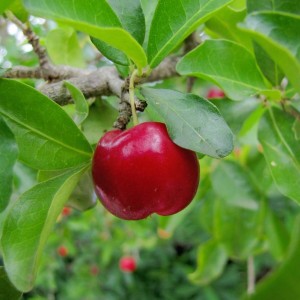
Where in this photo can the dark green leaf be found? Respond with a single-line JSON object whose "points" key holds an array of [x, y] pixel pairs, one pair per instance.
{"points": [[224, 63], [283, 283], [8, 157], [30, 222], [81, 105], [63, 47], [95, 18], [173, 21], [47, 138], [277, 34], [7, 290], [239, 211], [192, 121], [211, 260], [281, 151]]}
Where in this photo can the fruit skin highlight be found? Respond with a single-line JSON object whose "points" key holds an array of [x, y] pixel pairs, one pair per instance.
{"points": [[141, 171]]}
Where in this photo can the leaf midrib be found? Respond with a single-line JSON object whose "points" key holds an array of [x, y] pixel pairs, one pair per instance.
{"points": [[46, 136]]}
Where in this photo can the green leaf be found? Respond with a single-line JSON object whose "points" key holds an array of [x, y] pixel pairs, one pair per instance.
{"points": [[281, 151], [283, 283], [7, 290], [225, 63], [63, 47], [4, 4], [29, 223], [173, 21], [211, 260], [277, 34], [18, 9], [8, 157], [239, 211], [131, 18], [81, 105], [95, 18], [289, 6], [192, 121], [47, 138], [224, 24]]}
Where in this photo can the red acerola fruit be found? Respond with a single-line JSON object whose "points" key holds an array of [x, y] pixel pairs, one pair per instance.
{"points": [[62, 251], [66, 211], [215, 93], [141, 171], [127, 264]]}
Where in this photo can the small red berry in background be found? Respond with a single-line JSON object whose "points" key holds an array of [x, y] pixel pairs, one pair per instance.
{"points": [[127, 264], [215, 93], [94, 270], [66, 211], [62, 251]]}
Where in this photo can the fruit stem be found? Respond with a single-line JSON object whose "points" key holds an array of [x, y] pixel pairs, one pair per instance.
{"points": [[131, 97]]}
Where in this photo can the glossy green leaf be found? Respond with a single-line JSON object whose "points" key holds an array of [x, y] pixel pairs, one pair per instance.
{"points": [[173, 21], [95, 18], [224, 24], [277, 34], [283, 283], [211, 260], [30, 222], [281, 151], [7, 290], [224, 62], [8, 157], [239, 211], [131, 18], [63, 47], [47, 138], [192, 122], [81, 105], [289, 6]]}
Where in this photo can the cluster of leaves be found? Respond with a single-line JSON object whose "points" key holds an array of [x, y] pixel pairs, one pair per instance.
{"points": [[252, 54]]}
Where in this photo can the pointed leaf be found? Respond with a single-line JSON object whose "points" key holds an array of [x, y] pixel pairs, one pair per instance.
{"points": [[47, 138], [8, 157], [278, 34], [81, 105], [30, 222], [173, 21], [95, 18], [192, 121], [224, 63], [281, 151], [7, 290], [211, 261]]}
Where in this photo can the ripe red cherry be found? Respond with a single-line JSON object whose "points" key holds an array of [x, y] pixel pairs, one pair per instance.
{"points": [[215, 93], [141, 171], [62, 251], [127, 264]]}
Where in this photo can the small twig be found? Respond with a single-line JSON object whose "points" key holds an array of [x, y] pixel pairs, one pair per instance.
{"points": [[251, 275], [189, 84]]}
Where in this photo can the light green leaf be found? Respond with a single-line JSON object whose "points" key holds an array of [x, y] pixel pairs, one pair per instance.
{"points": [[289, 6], [277, 34], [173, 21], [281, 151], [17, 8], [225, 63], [239, 210], [8, 157], [283, 283], [47, 138], [4, 4], [29, 223], [81, 105], [63, 47], [7, 290], [95, 18], [211, 260], [192, 121]]}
